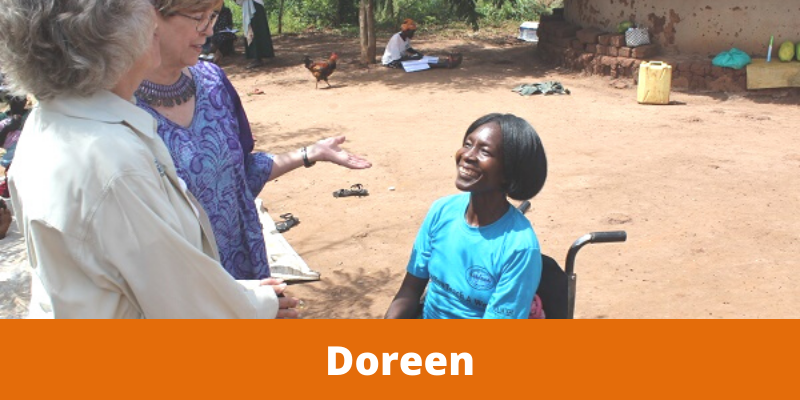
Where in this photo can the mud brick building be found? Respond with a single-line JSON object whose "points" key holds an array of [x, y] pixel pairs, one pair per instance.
{"points": [[685, 34]]}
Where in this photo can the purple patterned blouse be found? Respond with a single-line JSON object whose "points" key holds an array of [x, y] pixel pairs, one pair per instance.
{"points": [[208, 155]]}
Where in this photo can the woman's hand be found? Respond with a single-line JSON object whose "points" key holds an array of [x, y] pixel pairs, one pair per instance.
{"points": [[413, 54], [287, 306], [324, 150], [329, 150]]}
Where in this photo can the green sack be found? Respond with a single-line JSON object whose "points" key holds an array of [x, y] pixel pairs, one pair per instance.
{"points": [[733, 58]]}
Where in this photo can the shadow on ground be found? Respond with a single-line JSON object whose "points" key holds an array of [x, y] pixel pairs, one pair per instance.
{"points": [[504, 59], [349, 294]]}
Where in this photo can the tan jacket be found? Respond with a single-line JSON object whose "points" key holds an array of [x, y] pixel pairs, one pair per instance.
{"points": [[110, 229]]}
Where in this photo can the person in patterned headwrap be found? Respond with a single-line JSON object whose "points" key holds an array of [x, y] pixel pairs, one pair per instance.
{"points": [[399, 49]]}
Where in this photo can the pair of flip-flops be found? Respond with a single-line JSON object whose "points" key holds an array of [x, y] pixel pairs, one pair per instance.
{"points": [[288, 222], [355, 190]]}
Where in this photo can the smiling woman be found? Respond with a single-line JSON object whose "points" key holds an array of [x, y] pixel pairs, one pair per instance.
{"points": [[202, 121], [479, 253]]}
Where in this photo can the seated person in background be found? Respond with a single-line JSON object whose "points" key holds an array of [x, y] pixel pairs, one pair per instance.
{"points": [[221, 43], [478, 252], [399, 49]]}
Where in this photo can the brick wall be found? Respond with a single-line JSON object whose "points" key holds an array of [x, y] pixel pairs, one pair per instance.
{"points": [[600, 53]]}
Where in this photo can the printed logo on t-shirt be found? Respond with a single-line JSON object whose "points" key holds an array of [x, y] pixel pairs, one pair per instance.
{"points": [[479, 278]]}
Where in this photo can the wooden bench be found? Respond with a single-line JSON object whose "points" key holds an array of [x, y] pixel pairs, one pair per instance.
{"points": [[775, 74]]}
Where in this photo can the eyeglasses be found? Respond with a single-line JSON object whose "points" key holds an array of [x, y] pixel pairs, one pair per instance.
{"points": [[202, 23]]}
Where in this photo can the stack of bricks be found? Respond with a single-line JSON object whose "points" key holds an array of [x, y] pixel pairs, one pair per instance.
{"points": [[702, 75], [598, 53], [590, 50]]}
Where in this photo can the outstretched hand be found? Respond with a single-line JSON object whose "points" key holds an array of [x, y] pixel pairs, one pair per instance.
{"points": [[329, 150]]}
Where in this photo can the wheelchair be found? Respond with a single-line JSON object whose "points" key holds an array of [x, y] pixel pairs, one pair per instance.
{"points": [[557, 286]]}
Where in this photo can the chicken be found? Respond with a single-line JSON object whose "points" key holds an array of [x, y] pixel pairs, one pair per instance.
{"points": [[321, 69]]}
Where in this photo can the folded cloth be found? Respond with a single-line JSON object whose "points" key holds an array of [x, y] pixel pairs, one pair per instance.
{"points": [[548, 87], [284, 262]]}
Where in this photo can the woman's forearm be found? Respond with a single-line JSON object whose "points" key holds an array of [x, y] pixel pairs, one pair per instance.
{"points": [[285, 162], [406, 304], [403, 308]]}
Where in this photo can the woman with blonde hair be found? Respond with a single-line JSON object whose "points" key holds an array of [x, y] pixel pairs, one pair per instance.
{"points": [[202, 121], [111, 232]]}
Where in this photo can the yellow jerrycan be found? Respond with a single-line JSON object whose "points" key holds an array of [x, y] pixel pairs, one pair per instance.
{"points": [[655, 83]]}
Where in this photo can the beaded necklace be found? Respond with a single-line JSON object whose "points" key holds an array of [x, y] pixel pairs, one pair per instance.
{"points": [[167, 95]]}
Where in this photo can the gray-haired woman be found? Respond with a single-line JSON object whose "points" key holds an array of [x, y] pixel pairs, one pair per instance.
{"points": [[110, 228]]}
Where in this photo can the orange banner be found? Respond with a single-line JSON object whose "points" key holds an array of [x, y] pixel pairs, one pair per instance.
{"points": [[288, 359]]}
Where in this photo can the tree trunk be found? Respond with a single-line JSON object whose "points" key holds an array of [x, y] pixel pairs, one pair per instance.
{"points": [[371, 49], [280, 18], [337, 19], [363, 31], [366, 23]]}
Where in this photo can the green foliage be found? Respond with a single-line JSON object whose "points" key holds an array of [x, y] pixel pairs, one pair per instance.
{"points": [[489, 13], [301, 15]]}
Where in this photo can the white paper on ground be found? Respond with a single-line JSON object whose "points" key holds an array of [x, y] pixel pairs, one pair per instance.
{"points": [[284, 262], [415, 65], [430, 59]]}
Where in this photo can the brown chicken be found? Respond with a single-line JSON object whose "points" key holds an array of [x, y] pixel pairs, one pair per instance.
{"points": [[321, 69]]}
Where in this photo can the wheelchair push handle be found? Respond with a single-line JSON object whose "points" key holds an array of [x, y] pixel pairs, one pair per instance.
{"points": [[594, 237], [608, 237]]}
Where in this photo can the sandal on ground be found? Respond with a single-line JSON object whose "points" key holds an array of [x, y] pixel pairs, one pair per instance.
{"points": [[355, 190], [288, 222]]}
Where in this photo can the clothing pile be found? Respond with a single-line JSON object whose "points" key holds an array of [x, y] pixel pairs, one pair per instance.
{"points": [[548, 87]]}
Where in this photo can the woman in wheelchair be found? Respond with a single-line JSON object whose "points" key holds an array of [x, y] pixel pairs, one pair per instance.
{"points": [[480, 253]]}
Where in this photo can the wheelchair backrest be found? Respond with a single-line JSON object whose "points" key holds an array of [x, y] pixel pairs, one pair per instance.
{"points": [[553, 289]]}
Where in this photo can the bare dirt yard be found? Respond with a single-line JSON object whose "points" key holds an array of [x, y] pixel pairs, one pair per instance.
{"points": [[707, 188]]}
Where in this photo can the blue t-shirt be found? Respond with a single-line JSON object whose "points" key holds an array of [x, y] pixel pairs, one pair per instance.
{"points": [[491, 271]]}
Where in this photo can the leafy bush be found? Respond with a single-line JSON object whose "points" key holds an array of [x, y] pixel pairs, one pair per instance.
{"points": [[301, 15], [519, 10]]}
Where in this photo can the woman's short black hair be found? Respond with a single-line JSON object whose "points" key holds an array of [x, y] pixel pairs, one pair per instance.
{"points": [[524, 161]]}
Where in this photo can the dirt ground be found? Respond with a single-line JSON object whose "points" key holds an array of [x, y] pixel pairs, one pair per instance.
{"points": [[705, 188]]}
